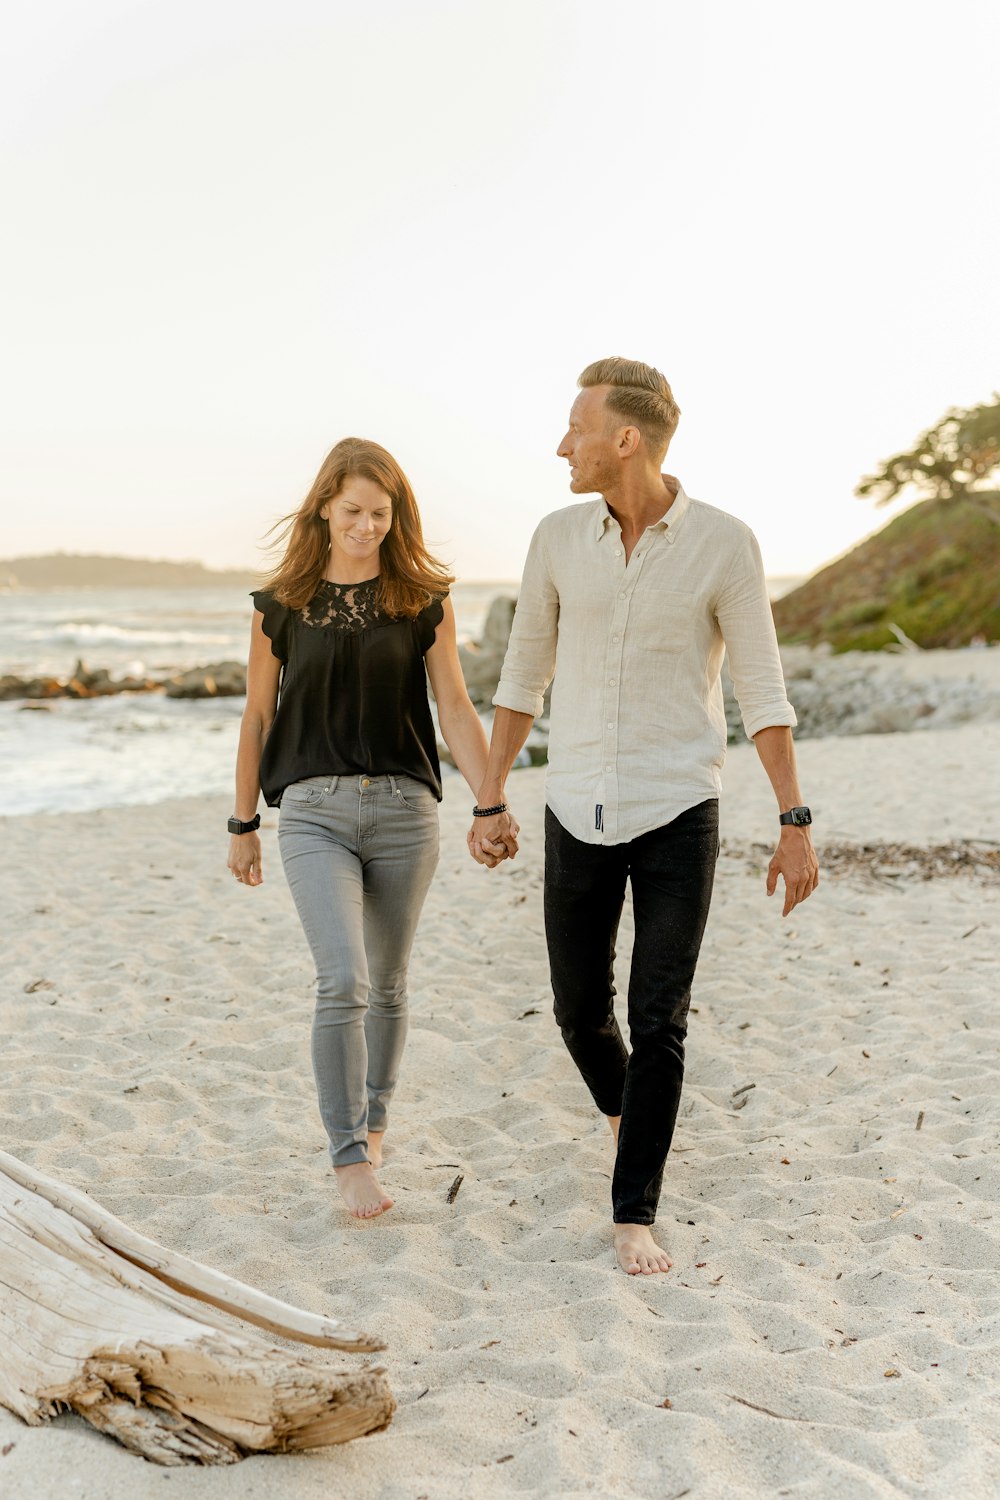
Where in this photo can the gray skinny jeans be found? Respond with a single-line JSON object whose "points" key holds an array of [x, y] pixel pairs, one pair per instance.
{"points": [[359, 854]]}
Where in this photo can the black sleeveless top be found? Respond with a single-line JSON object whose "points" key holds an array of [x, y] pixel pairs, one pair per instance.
{"points": [[352, 697]]}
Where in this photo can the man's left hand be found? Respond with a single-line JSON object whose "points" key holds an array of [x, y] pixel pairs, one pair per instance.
{"points": [[795, 861]]}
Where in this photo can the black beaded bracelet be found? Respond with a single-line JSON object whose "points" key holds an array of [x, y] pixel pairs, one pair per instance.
{"points": [[489, 812]]}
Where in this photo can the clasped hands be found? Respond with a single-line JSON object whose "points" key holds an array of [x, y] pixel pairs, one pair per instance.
{"points": [[492, 840]]}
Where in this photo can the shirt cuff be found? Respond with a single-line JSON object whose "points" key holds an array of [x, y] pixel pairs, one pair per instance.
{"points": [[518, 699], [778, 716]]}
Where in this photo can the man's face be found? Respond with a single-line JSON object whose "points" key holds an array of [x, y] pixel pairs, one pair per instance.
{"points": [[590, 445]]}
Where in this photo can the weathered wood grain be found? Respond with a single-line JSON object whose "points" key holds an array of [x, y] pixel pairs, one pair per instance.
{"points": [[98, 1319]]}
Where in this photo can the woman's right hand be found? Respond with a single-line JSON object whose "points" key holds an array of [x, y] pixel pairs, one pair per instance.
{"points": [[245, 858]]}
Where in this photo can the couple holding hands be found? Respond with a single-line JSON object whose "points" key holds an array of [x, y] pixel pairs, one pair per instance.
{"points": [[629, 601]]}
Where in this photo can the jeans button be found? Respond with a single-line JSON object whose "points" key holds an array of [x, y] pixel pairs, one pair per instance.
{"points": [[365, 781]]}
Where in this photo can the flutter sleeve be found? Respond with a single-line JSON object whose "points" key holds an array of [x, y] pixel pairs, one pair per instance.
{"points": [[277, 622], [428, 621]]}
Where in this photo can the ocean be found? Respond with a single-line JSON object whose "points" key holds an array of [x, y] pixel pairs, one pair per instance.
{"points": [[72, 755]]}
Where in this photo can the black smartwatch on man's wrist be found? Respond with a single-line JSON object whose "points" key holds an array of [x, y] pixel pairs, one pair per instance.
{"points": [[235, 826], [797, 817]]}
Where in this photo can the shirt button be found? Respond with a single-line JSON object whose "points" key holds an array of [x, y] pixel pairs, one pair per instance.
{"points": [[612, 681], [610, 724], [607, 768], [618, 553], [623, 595], [616, 639]]}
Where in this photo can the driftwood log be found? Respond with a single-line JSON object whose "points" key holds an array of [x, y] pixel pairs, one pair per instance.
{"points": [[96, 1319]]}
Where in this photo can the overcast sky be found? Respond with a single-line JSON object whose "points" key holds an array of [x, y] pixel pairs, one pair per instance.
{"points": [[239, 231]]}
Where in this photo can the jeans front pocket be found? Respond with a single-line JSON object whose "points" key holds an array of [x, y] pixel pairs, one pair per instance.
{"points": [[415, 795], [301, 794]]}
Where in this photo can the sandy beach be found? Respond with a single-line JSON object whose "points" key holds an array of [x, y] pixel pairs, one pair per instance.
{"points": [[830, 1324]]}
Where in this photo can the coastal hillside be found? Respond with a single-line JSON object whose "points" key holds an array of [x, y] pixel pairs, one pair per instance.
{"points": [[933, 572], [69, 570]]}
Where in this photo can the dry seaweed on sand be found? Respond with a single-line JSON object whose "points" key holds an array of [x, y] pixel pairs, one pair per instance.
{"points": [[978, 859]]}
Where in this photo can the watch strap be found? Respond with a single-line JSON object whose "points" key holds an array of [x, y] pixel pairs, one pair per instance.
{"points": [[236, 826], [796, 817]]}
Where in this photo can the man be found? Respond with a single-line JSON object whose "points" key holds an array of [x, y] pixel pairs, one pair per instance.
{"points": [[631, 601]]}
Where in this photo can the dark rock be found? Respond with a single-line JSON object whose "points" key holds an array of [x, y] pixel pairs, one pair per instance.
{"points": [[499, 619], [94, 684], [482, 660], [224, 679], [31, 687]]}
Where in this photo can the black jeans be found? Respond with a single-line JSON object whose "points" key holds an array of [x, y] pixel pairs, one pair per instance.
{"points": [[672, 870]]}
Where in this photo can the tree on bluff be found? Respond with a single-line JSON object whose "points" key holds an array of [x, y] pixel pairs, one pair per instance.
{"points": [[958, 457]]}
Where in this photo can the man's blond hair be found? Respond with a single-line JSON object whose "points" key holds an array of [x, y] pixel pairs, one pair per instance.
{"points": [[640, 394]]}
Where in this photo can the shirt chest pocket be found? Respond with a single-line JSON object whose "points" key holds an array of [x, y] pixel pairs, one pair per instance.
{"points": [[665, 621]]}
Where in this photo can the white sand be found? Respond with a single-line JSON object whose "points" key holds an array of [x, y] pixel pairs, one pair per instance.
{"points": [[820, 1239]]}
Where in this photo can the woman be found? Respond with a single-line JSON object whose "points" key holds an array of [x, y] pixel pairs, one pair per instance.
{"points": [[338, 731]]}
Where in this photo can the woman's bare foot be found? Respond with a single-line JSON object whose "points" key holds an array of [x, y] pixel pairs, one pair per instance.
{"points": [[361, 1191], [375, 1139], [637, 1252]]}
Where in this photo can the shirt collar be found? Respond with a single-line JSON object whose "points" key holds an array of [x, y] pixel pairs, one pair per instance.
{"points": [[667, 523]]}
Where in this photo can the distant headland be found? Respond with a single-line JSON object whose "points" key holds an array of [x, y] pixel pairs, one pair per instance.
{"points": [[74, 570]]}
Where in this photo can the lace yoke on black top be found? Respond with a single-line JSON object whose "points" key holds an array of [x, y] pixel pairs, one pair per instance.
{"points": [[349, 607]]}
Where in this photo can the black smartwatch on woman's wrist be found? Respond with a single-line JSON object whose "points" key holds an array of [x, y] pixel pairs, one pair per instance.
{"points": [[235, 826], [798, 817]]}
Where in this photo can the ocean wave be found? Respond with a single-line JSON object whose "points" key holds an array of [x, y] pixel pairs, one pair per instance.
{"points": [[82, 633]]}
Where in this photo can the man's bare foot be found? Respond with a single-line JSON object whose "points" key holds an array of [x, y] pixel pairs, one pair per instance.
{"points": [[361, 1191], [375, 1139], [615, 1122], [637, 1252]]}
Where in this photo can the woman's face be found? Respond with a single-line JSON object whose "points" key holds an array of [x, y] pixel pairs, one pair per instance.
{"points": [[358, 519]]}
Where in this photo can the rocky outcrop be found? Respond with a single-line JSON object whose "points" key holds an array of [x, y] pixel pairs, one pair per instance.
{"points": [[481, 660], [930, 574], [883, 692], [82, 683], [223, 679]]}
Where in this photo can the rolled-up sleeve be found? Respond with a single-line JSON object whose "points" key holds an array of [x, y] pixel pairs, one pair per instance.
{"points": [[744, 614], [531, 651]]}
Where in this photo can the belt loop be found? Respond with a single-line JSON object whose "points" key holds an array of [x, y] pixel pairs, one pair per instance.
{"points": [[392, 783], [331, 785]]}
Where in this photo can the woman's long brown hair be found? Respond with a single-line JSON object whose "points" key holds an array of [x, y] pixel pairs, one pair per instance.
{"points": [[410, 577]]}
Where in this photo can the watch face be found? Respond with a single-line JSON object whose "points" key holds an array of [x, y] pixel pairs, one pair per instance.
{"points": [[801, 816]]}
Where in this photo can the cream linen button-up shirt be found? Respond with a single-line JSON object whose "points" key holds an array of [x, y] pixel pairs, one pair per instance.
{"points": [[638, 729]]}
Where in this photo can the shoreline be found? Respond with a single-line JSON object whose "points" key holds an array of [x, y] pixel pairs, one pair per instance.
{"points": [[68, 755], [833, 1259]]}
